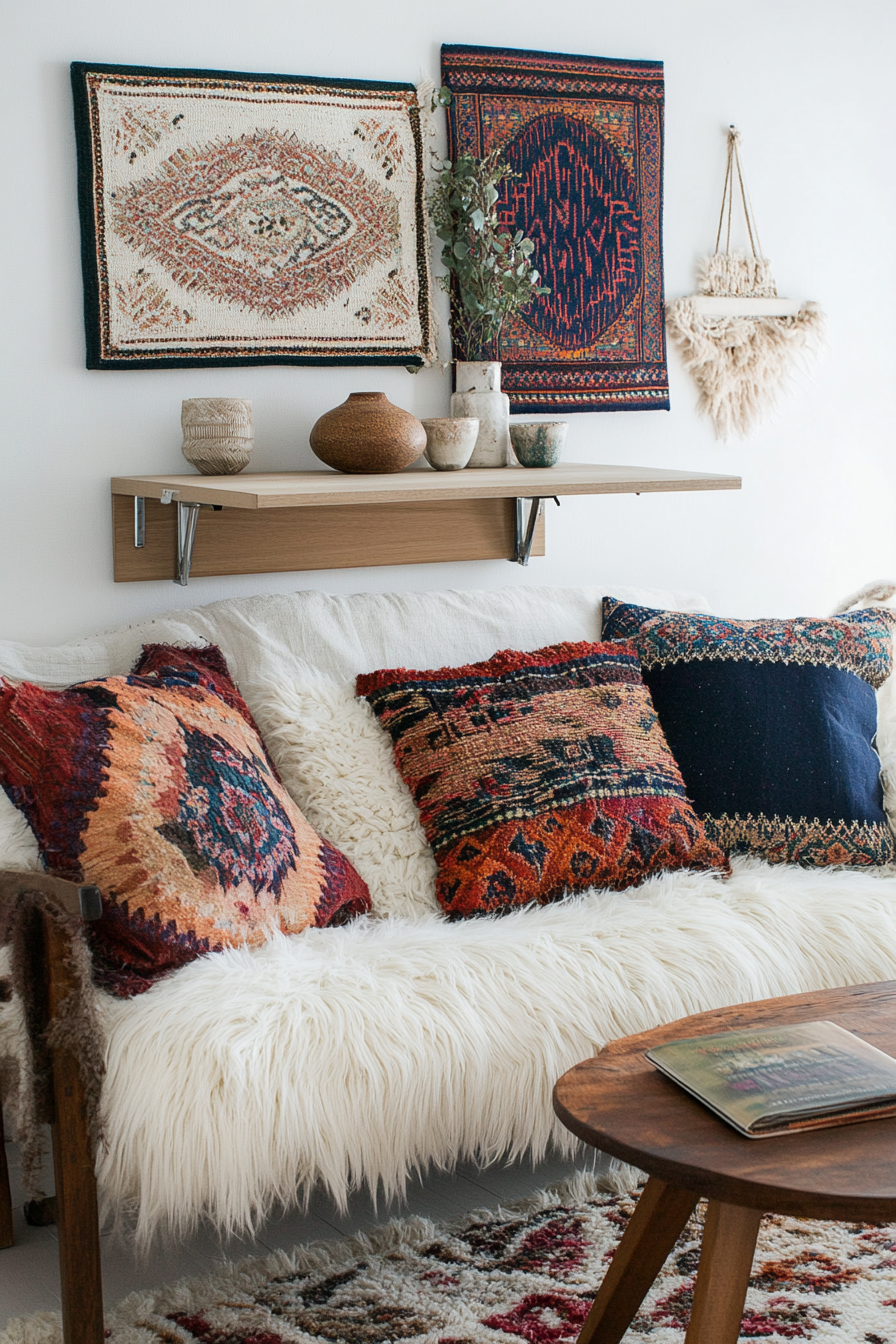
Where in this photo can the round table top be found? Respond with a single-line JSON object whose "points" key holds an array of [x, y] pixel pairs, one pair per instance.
{"points": [[624, 1106]]}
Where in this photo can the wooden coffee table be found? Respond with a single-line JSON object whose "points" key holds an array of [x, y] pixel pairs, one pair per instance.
{"points": [[622, 1105]]}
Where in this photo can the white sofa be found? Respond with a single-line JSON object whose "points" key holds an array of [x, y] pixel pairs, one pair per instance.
{"points": [[356, 1054]]}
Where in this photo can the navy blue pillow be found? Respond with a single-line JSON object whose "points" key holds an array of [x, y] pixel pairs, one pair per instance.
{"points": [[772, 724]]}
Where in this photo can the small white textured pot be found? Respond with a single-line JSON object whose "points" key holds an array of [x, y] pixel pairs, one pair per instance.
{"points": [[479, 394], [218, 436]]}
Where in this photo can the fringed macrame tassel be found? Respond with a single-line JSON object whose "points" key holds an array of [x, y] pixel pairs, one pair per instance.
{"points": [[740, 364]]}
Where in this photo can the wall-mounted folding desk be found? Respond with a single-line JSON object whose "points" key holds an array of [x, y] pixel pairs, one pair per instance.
{"points": [[169, 527]]}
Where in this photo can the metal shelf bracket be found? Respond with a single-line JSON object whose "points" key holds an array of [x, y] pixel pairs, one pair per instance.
{"points": [[139, 521], [525, 531], [187, 516]]}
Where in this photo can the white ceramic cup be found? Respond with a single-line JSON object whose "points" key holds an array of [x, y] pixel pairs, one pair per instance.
{"points": [[450, 441]]}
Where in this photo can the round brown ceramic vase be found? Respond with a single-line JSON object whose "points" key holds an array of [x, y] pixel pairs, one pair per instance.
{"points": [[368, 434]]}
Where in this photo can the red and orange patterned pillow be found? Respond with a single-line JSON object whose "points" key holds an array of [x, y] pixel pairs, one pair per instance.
{"points": [[157, 788], [538, 774]]}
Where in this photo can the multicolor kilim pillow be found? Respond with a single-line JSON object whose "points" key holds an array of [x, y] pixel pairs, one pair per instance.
{"points": [[157, 788], [772, 723], [538, 774]]}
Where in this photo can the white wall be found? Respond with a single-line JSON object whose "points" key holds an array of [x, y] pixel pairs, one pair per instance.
{"points": [[808, 81]]}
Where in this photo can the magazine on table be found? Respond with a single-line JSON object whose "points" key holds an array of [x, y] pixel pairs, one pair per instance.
{"points": [[777, 1080]]}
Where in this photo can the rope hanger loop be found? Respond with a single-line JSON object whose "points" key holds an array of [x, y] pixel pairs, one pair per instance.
{"points": [[739, 338], [733, 166]]}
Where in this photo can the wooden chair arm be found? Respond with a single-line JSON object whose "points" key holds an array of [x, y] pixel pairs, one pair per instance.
{"points": [[40, 915], [76, 901]]}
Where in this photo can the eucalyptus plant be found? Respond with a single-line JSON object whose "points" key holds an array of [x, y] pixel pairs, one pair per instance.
{"points": [[490, 271]]}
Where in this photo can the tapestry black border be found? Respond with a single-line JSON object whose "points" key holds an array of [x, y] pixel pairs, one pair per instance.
{"points": [[89, 241]]}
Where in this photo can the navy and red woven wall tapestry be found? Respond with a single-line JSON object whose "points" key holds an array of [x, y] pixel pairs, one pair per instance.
{"points": [[584, 135]]}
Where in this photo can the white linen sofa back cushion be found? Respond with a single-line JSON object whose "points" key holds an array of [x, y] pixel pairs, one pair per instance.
{"points": [[336, 762], [18, 846], [288, 641], [341, 636]]}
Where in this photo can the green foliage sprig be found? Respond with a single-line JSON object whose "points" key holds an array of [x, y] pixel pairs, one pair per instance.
{"points": [[490, 272]]}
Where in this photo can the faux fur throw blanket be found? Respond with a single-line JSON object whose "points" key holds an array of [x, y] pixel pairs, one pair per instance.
{"points": [[353, 1056]]}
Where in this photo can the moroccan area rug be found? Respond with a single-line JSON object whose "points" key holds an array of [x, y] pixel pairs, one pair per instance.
{"points": [[527, 1273]]}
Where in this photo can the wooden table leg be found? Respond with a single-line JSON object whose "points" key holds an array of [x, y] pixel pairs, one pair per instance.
{"points": [[726, 1258], [653, 1230]]}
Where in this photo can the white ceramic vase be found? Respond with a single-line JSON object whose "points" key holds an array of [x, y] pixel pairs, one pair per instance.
{"points": [[479, 394]]}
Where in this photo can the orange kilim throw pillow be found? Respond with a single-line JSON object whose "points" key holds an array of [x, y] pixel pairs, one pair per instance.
{"points": [[539, 774], [157, 788]]}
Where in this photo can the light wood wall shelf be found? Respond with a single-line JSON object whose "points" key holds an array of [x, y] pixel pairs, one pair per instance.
{"points": [[169, 527]]}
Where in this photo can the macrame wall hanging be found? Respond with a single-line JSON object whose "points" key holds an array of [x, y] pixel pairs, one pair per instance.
{"points": [[738, 339]]}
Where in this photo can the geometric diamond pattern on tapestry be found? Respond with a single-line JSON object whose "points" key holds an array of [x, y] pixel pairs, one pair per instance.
{"points": [[583, 136], [236, 219]]}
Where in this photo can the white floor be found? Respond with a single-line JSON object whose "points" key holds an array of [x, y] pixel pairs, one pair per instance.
{"points": [[29, 1278]]}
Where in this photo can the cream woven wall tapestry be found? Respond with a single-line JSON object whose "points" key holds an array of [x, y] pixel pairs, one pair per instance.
{"points": [[250, 219]]}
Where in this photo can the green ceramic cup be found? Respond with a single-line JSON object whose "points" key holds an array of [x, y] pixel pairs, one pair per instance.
{"points": [[538, 443]]}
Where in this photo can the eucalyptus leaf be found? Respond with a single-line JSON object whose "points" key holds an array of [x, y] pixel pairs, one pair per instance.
{"points": [[490, 274]]}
